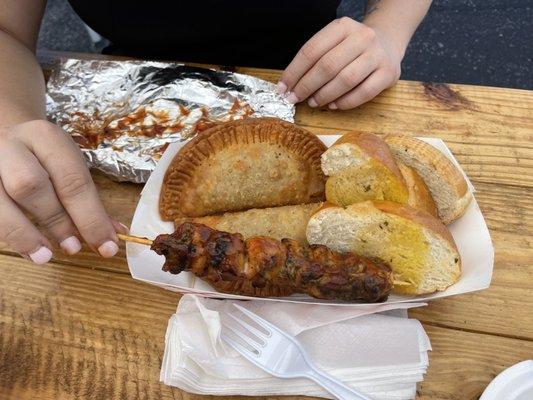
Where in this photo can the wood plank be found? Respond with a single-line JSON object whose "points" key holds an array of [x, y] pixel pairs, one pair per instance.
{"points": [[509, 214], [492, 147], [67, 332], [72, 333], [66, 322], [488, 128], [504, 309], [462, 364]]}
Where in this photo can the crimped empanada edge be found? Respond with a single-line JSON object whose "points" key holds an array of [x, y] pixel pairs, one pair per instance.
{"points": [[241, 132]]}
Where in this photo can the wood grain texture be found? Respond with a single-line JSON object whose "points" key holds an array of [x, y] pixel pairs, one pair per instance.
{"points": [[493, 148], [67, 332], [505, 308], [82, 328], [463, 363], [512, 234], [488, 129]]}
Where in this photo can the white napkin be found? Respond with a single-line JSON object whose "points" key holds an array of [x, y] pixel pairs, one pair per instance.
{"points": [[381, 355]]}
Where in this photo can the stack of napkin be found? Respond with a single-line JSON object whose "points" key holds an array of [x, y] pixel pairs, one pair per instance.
{"points": [[381, 355]]}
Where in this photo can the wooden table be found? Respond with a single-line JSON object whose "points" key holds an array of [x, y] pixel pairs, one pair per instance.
{"points": [[82, 328]]}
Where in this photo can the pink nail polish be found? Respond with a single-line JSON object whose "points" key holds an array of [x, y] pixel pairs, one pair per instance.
{"points": [[281, 87], [108, 249], [333, 106], [41, 256], [292, 98], [312, 102], [71, 245]]}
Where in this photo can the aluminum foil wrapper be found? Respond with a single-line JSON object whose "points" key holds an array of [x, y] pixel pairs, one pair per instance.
{"points": [[123, 114]]}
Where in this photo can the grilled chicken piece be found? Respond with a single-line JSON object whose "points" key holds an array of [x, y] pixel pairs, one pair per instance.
{"points": [[264, 267]]}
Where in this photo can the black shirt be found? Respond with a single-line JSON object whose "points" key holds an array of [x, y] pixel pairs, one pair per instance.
{"points": [[232, 32]]}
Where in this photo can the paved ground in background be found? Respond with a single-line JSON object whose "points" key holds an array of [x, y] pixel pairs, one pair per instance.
{"points": [[482, 42]]}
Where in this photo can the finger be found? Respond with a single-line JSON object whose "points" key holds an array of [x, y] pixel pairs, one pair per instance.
{"points": [[73, 184], [366, 91], [28, 184], [120, 227], [20, 234], [322, 42], [327, 68], [346, 80]]}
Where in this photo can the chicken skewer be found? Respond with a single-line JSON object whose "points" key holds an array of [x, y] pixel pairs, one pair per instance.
{"points": [[148, 242], [262, 266]]}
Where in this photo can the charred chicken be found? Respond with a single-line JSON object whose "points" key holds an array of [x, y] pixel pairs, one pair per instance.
{"points": [[263, 267]]}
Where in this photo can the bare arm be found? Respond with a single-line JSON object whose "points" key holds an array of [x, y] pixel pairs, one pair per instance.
{"points": [[42, 172], [396, 19], [348, 63], [21, 78]]}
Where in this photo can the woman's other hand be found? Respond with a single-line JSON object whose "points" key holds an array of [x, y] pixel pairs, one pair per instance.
{"points": [[344, 65]]}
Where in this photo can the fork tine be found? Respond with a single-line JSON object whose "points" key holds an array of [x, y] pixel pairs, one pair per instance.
{"points": [[256, 332], [238, 347], [249, 341], [256, 318]]}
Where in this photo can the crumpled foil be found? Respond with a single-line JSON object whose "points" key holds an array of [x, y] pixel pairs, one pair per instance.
{"points": [[123, 114]]}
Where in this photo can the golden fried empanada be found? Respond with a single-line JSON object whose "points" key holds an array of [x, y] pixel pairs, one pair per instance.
{"points": [[238, 165], [275, 222]]}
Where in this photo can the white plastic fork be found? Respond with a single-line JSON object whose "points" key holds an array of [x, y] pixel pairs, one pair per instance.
{"points": [[278, 353]]}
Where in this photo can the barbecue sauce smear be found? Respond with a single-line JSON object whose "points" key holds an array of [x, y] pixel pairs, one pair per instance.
{"points": [[92, 130]]}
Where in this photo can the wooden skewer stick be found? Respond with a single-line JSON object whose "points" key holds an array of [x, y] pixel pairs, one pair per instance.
{"points": [[148, 242], [135, 239]]}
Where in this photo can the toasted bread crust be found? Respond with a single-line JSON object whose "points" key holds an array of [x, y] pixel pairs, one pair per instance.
{"points": [[462, 205], [452, 196], [405, 247], [419, 194], [430, 154], [288, 172], [374, 147], [361, 167]]}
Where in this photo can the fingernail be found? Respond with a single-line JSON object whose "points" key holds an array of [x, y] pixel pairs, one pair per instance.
{"points": [[281, 87], [108, 249], [70, 245], [333, 106], [41, 256], [312, 102], [126, 229], [119, 226], [292, 98]]}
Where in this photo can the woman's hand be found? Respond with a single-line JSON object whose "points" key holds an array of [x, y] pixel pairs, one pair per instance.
{"points": [[43, 175], [344, 65]]}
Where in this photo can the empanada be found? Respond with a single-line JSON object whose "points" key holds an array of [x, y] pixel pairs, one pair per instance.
{"points": [[275, 222], [238, 165]]}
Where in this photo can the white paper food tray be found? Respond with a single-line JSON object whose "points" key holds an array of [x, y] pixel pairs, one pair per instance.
{"points": [[470, 233]]}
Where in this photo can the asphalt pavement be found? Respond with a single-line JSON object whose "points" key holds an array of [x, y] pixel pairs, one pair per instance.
{"points": [[481, 42]]}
